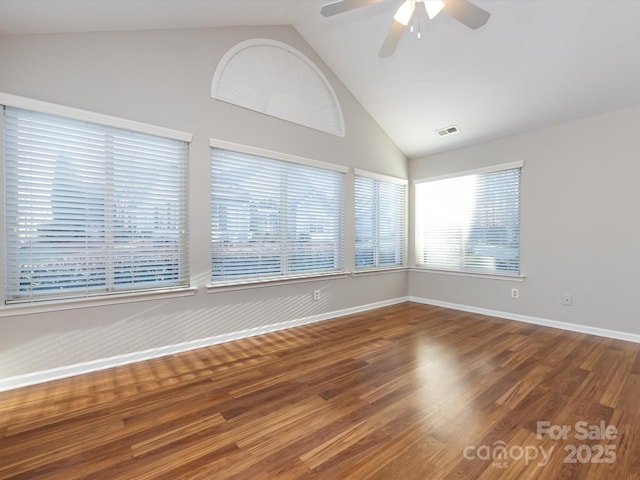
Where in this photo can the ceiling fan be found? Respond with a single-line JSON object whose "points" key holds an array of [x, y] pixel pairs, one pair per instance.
{"points": [[462, 10]]}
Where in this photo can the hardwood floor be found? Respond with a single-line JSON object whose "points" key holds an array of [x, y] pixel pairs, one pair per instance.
{"points": [[404, 392]]}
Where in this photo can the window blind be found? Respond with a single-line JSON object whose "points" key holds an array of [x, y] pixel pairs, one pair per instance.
{"points": [[91, 209], [470, 223], [380, 222], [273, 219]]}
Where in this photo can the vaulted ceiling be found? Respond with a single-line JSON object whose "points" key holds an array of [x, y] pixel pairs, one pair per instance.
{"points": [[535, 62]]}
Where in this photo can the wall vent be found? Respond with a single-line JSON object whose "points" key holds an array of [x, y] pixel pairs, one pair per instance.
{"points": [[443, 132]]}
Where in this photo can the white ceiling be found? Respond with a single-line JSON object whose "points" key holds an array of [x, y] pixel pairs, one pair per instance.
{"points": [[535, 62]]}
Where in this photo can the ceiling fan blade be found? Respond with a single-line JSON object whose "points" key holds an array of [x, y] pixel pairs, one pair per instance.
{"points": [[392, 40], [334, 8], [466, 12]]}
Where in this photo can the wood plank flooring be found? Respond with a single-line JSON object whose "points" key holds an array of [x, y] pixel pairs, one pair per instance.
{"points": [[403, 392]]}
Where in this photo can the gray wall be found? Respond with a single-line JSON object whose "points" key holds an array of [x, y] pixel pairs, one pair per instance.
{"points": [[164, 78], [579, 223]]}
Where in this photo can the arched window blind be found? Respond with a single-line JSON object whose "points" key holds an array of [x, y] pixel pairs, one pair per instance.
{"points": [[380, 221], [91, 209], [470, 223], [273, 219]]}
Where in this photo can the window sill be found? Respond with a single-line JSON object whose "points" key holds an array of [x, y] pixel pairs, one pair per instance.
{"points": [[491, 276], [272, 282], [378, 271], [98, 301]]}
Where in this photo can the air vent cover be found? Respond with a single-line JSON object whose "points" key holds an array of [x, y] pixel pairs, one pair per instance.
{"points": [[443, 132]]}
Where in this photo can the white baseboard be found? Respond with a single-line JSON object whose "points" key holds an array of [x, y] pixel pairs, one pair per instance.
{"points": [[18, 381], [573, 327]]}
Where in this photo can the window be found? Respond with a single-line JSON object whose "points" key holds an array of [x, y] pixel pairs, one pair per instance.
{"points": [[90, 209], [380, 221], [470, 223], [273, 219]]}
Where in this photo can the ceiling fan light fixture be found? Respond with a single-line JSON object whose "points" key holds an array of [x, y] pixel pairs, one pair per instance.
{"points": [[404, 13], [463, 11], [433, 7]]}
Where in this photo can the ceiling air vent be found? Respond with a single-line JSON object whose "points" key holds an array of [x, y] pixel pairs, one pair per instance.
{"points": [[443, 132]]}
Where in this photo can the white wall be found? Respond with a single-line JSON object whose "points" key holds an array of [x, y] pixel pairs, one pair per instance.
{"points": [[164, 78], [580, 227]]}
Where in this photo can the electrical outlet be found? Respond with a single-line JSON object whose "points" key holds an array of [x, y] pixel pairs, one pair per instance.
{"points": [[316, 294], [515, 293], [566, 300]]}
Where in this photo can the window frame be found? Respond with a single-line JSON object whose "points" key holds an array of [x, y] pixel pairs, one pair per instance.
{"points": [[392, 180], [256, 281], [78, 300], [498, 275]]}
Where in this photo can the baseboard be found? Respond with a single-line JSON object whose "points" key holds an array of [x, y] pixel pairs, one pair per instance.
{"points": [[19, 381], [573, 327]]}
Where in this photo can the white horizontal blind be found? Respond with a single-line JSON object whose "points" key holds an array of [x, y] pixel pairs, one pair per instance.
{"points": [[470, 223], [91, 209], [380, 223], [273, 219]]}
